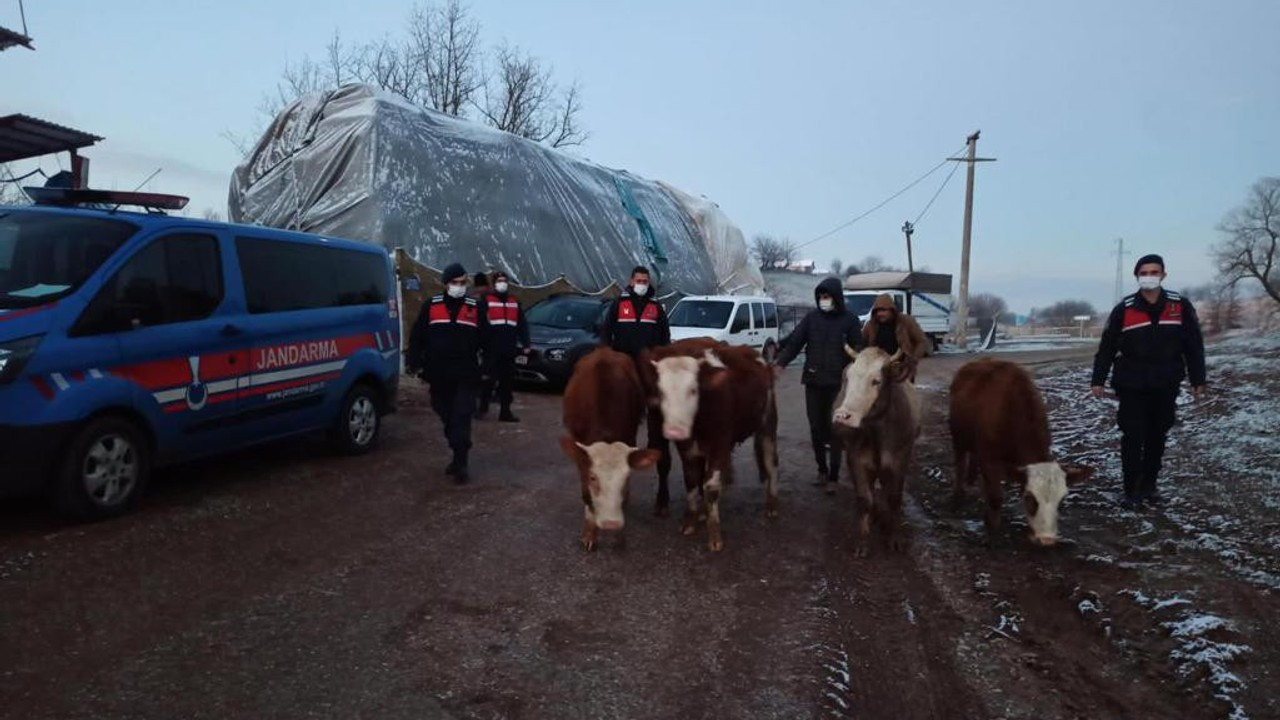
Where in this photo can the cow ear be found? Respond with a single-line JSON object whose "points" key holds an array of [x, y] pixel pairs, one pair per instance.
{"points": [[643, 459], [711, 359], [573, 449], [1077, 474]]}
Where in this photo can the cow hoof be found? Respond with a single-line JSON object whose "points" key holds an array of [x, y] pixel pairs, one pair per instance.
{"points": [[771, 512], [896, 544], [688, 528], [588, 545], [861, 551], [715, 545]]}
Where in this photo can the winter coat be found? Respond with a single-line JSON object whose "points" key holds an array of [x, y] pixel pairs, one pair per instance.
{"points": [[445, 343], [508, 331], [823, 336], [634, 323], [907, 335], [1152, 346]]}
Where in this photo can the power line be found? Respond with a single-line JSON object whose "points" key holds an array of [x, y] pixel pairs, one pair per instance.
{"points": [[954, 168], [882, 203]]}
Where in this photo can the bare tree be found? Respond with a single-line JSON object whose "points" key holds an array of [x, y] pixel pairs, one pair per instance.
{"points": [[772, 252], [870, 264], [211, 214], [987, 306], [521, 98], [837, 266], [1062, 312], [1249, 251]]}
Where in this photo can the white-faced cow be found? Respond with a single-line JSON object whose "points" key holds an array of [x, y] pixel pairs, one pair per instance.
{"points": [[877, 418], [693, 347], [603, 404], [999, 428], [711, 400]]}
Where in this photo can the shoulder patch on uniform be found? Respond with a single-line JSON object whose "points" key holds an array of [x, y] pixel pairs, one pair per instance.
{"points": [[1172, 295], [1129, 300], [624, 295], [437, 297], [470, 300]]}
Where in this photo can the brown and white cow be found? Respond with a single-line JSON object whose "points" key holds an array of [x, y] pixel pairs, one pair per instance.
{"points": [[999, 429], [603, 405], [692, 347], [877, 419], [712, 399]]}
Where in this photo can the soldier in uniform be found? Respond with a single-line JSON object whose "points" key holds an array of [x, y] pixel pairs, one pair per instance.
{"points": [[1152, 341], [508, 337], [444, 350]]}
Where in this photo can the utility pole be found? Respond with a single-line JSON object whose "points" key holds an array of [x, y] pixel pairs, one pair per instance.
{"points": [[907, 229], [962, 304], [1120, 253]]}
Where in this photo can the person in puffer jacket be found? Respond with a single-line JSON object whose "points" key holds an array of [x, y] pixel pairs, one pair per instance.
{"points": [[822, 335]]}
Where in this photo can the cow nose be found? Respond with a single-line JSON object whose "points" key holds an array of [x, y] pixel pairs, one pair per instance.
{"points": [[672, 433], [610, 524]]}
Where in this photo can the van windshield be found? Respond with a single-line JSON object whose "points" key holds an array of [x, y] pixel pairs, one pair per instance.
{"points": [[859, 304], [46, 256], [701, 313]]}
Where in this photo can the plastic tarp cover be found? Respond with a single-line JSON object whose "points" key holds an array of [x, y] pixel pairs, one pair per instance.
{"points": [[367, 165]]}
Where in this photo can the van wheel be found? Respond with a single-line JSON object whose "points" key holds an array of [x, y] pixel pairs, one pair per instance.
{"points": [[104, 472], [359, 420]]}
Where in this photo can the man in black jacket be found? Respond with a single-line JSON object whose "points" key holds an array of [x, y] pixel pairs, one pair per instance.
{"points": [[823, 334], [1153, 339], [444, 348], [508, 337], [635, 321]]}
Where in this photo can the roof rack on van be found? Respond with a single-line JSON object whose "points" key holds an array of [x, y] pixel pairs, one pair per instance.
{"points": [[71, 197]]}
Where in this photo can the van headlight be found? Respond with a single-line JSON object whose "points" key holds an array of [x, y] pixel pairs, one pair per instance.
{"points": [[14, 355]]}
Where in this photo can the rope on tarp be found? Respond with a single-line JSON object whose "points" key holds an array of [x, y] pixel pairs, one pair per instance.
{"points": [[651, 242]]}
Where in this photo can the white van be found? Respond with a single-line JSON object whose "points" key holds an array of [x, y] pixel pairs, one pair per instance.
{"points": [[736, 319]]}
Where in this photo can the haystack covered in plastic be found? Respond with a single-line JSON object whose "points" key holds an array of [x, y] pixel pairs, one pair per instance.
{"points": [[362, 164]]}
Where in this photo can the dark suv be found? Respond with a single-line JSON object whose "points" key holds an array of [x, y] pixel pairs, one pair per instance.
{"points": [[562, 329]]}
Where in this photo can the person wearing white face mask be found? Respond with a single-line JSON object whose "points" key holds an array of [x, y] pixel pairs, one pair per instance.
{"points": [[1153, 340], [508, 337], [822, 335], [444, 348]]}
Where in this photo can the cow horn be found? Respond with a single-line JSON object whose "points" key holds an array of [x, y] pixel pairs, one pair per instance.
{"points": [[853, 354], [898, 355]]}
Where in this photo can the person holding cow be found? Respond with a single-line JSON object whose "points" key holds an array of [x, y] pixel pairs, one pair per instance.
{"points": [[823, 334], [633, 323], [891, 331], [508, 337], [1151, 342], [444, 350]]}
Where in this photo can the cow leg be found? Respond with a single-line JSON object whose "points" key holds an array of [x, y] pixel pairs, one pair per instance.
{"points": [[713, 486], [766, 447], [860, 469], [588, 529], [658, 442], [892, 480], [693, 474], [962, 477], [993, 478]]}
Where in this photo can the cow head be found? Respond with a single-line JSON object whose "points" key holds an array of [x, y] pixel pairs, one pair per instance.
{"points": [[679, 383], [1046, 486], [604, 468], [862, 395]]}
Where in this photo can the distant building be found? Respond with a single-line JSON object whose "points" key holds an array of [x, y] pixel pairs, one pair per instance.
{"points": [[800, 266]]}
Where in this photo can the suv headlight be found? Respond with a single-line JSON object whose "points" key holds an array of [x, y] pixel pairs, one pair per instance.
{"points": [[14, 355]]}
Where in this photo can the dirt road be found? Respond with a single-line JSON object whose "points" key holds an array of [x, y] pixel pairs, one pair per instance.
{"points": [[289, 583]]}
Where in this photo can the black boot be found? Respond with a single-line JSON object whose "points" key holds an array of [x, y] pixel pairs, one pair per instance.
{"points": [[820, 456], [506, 416], [834, 465], [483, 408], [460, 474]]}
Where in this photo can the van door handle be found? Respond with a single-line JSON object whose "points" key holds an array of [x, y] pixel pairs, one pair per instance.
{"points": [[230, 330]]}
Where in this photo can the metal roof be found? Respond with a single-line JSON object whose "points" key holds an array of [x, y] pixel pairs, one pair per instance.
{"points": [[10, 38], [22, 136]]}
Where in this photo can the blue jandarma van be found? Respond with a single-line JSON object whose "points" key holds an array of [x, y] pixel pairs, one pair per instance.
{"points": [[131, 340]]}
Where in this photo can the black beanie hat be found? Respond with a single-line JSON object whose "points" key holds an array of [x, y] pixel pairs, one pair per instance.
{"points": [[1146, 260], [499, 274], [452, 272], [480, 279]]}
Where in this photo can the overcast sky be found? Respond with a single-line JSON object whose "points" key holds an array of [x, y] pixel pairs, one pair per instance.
{"points": [[1142, 119]]}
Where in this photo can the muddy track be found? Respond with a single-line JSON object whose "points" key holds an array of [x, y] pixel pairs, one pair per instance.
{"points": [[289, 583]]}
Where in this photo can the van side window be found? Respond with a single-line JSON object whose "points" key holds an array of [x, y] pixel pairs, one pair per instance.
{"points": [[770, 315], [742, 320], [282, 276], [177, 278], [757, 314]]}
